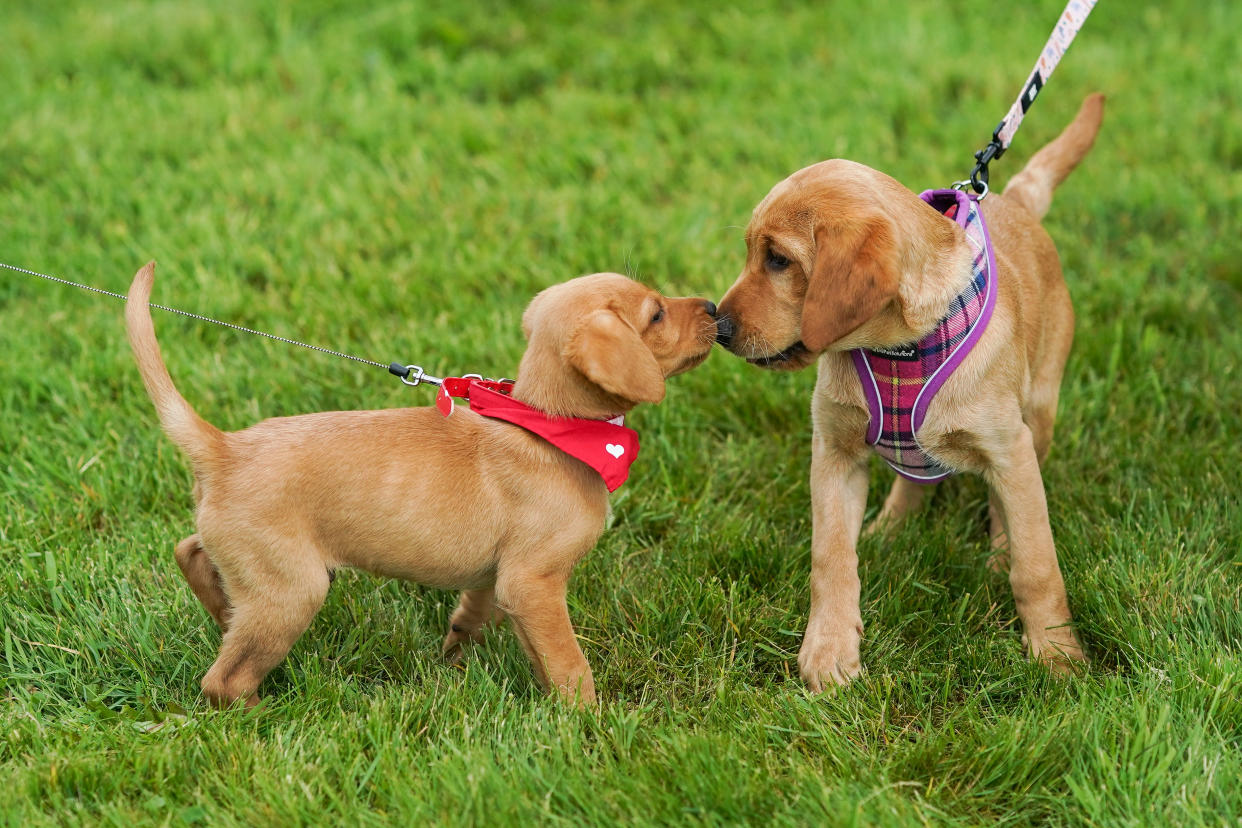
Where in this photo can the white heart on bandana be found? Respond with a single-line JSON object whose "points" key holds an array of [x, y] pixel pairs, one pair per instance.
{"points": [[615, 450]]}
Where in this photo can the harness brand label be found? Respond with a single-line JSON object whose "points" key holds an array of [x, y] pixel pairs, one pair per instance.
{"points": [[905, 353]]}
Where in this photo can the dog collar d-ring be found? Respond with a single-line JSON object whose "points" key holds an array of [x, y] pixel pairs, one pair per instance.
{"points": [[980, 185]]}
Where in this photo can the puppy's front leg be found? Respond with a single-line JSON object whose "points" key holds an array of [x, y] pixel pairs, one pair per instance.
{"points": [[535, 603], [1034, 575], [830, 648]]}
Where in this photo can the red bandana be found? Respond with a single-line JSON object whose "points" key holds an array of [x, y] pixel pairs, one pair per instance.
{"points": [[604, 445]]}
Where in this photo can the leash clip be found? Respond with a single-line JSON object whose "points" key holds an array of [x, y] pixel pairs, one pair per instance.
{"points": [[978, 180], [412, 375]]}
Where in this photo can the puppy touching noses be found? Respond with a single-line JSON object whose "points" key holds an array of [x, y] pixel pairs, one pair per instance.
{"points": [[941, 324], [724, 332], [621, 339], [520, 483]]}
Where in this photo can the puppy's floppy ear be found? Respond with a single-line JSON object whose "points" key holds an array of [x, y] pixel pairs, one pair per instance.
{"points": [[532, 310], [854, 276], [610, 354]]}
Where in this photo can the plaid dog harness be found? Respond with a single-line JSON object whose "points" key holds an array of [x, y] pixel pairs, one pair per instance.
{"points": [[899, 383]]}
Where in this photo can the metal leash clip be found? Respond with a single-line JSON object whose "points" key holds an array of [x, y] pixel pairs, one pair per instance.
{"points": [[969, 184], [412, 375], [978, 180]]}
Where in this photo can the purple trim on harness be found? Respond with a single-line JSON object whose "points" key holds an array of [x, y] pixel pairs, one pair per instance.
{"points": [[959, 196], [989, 302], [872, 395]]}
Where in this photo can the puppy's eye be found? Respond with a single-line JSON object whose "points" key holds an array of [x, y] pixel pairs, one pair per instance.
{"points": [[659, 316], [775, 261]]}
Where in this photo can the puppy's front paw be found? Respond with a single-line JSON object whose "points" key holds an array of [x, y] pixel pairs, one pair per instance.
{"points": [[1058, 649], [830, 659]]}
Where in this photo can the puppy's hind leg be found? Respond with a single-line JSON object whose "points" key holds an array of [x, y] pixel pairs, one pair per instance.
{"points": [[904, 498], [998, 561], [203, 578], [1039, 412], [475, 612], [267, 619]]}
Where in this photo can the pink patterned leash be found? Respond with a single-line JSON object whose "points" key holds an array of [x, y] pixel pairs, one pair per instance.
{"points": [[1070, 22]]}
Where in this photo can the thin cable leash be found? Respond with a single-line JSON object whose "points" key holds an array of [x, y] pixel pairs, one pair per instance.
{"points": [[1059, 41], [408, 374]]}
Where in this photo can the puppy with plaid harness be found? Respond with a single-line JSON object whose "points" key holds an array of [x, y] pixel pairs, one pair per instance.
{"points": [[940, 325]]}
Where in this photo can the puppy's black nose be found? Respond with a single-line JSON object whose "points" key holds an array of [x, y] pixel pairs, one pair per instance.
{"points": [[710, 307], [725, 331]]}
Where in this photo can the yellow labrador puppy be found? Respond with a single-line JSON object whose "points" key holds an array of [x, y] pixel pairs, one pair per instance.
{"points": [[941, 326], [470, 501]]}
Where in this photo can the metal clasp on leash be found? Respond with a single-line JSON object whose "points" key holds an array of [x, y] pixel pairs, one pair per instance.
{"points": [[978, 180], [970, 184], [412, 375], [1062, 36]]}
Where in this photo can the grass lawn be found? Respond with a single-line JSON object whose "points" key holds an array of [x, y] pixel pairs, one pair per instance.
{"points": [[396, 180]]}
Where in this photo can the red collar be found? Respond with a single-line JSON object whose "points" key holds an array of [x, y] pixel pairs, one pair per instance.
{"points": [[604, 445]]}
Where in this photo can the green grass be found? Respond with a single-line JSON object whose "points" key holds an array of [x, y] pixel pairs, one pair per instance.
{"points": [[397, 181]]}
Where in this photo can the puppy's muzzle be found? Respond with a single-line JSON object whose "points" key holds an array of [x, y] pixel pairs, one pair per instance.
{"points": [[795, 351]]}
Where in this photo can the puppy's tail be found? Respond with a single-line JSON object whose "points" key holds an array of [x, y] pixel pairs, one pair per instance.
{"points": [[197, 438], [1033, 186]]}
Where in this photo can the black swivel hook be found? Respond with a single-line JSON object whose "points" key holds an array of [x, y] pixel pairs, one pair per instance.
{"points": [[979, 175]]}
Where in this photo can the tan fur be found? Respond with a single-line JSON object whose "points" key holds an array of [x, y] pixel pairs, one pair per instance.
{"points": [[872, 265], [463, 502]]}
